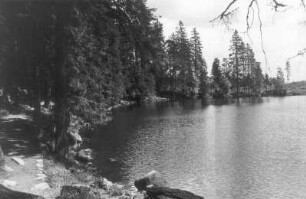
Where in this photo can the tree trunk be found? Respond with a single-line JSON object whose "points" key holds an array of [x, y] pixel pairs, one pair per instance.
{"points": [[61, 112]]}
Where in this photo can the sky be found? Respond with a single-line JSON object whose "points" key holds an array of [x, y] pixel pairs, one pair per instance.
{"points": [[283, 32]]}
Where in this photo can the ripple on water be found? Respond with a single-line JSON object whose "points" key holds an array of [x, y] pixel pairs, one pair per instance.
{"points": [[252, 150]]}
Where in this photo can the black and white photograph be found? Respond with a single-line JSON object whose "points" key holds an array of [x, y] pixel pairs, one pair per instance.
{"points": [[152, 99]]}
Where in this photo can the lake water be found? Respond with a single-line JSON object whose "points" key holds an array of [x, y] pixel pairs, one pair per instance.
{"points": [[254, 149]]}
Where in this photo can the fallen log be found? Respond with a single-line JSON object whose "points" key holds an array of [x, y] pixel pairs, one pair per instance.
{"points": [[157, 192], [6, 193]]}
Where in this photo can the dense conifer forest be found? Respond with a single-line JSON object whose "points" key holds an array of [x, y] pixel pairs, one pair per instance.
{"points": [[83, 57]]}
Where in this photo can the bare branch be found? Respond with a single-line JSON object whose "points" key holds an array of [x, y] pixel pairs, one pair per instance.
{"points": [[248, 15], [225, 18], [225, 13], [261, 34], [300, 53], [277, 5]]}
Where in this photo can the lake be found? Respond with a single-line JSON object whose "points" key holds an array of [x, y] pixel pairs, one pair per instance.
{"points": [[251, 149]]}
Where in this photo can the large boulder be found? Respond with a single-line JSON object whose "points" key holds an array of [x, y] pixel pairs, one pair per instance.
{"points": [[78, 192], [6, 193], [85, 155], [153, 178]]}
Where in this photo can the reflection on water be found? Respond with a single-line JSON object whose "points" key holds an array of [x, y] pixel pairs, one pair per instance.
{"points": [[254, 148]]}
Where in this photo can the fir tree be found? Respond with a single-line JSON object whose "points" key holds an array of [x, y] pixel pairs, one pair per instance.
{"points": [[198, 63]]}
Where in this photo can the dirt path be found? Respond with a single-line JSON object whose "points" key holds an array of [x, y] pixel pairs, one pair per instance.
{"points": [[24, 170]]}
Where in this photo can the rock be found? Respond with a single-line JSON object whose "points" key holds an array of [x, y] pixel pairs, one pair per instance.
{"points": [[18, 161], [76, 138], [8, 183], [165, 192], [12, 153], [8, 169], [153, 178], [116, 190], [6, 193], [40, 187], [39, 165], [84, 155], [78, 192], [2, 158], [124, 197], [113, 160], [104, 184], [40, 176]]}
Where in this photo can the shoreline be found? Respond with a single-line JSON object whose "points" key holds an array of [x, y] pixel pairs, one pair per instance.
{"points": [[68, 172]]}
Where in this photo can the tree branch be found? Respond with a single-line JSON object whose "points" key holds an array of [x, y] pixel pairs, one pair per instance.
{"points": [[261, 34], [300, 53], [225, 13], [248, 15], [277, 5]]}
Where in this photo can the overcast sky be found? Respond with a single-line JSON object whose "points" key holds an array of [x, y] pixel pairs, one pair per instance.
{"points": [[283, 32]]}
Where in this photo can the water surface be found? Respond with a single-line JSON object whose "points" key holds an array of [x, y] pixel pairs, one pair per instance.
{"points": [[251, 149]]}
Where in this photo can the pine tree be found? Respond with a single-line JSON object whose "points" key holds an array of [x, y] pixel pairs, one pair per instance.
{"points": [[279, 82], [236, 61], [185, 76], [198, 63], [258, 79], [288, 71], [219, 84], [250, 67]]}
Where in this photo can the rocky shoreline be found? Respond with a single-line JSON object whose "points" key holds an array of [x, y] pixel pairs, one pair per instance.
{"points": [[76, 177], [79, 183]]}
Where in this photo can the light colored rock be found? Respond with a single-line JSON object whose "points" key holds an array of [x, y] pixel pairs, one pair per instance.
{"points": [[39, 165], [113, 160], [153, 178], [40, 187], [41, 176], [104, 184], [12, 153], [18, 161], [8, 183], [85, 155], [8, 169], [40, 169]]}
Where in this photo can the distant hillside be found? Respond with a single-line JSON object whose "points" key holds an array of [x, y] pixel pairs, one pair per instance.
{"points": [[296, 88]]}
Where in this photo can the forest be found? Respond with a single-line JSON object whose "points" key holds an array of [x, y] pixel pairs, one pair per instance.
{"points": [[82, 57]]}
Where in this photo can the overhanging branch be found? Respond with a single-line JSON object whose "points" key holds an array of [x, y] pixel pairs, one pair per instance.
{"points": [[278, 5], [225, 13]]}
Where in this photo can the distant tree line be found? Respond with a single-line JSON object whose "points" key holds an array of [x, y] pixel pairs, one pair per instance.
{"points": [[241, 74]]}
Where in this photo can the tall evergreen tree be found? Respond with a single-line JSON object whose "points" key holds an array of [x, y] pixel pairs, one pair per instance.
{"points": [[219, 84], [236, 60], [186, 76], [198, 63], [288, 71]]}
